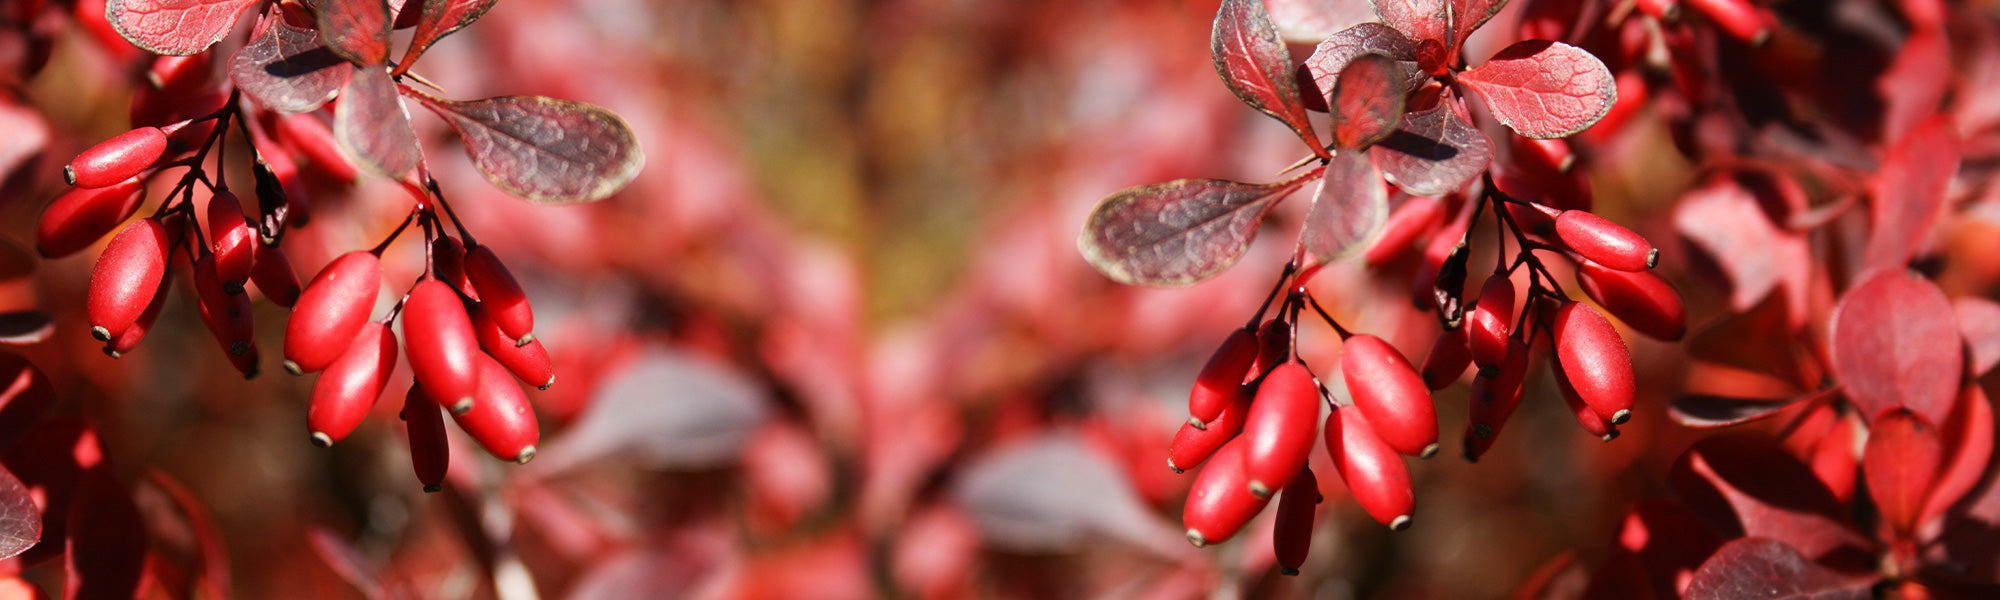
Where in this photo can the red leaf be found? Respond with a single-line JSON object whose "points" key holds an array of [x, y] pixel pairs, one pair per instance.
{"points": [[1053, 493], [1668, 541], [1894, 342], [440, 18], [1544, 89], [286, 69], [543, 149], [179, 27], [1760, 340], [1723, 219], [1764, 568], [1979, 322], [23, 327], [1332, 55], [20, 521], [346, 561], [1967, 438], [357, 30], [1367, 101], [1704, 411], [1900, 463], [25, 393], [1467, 16], [16, 261], [1914, 85], [373, 127], [107, 540], [1419, 20], [1434, 153], [1253, 62], [1178, 232], [49, 460], [1908, 195], [1745, 485], [1349, 210]]}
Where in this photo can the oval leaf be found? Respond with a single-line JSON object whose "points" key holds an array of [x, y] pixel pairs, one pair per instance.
{"points": [[1895, 342], [440, 18], [177, 27], [1052, 493], [700, 424], [1907, 196], [357, 30], [372, 126], [1467, 16], [1704, 410], [1764, 568], [1435, 152], [286, 69], [1544, 89], [1900, 462], [1349, 210], [107, 540], [1178, 232], [20, 521], [1332, 55], [1746, 485], [1979, 322], [543, 149], [1253, 62], [1367, 101]]}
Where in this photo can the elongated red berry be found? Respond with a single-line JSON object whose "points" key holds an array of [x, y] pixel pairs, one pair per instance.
{"points": [[1220, 501], [348, 389], [1605, 242], [1449, 357], [1492, 319], [1594, 358], [128, 273], [448, 262], [81, 216], [529, 362], [443, 350], [230, 236], [130, 338], [1494, 400], [430, 452], [247, 362], [1274, 346], [311, 137], [1737, 17], [1291, 536], [1193, 445], [1641, 299], [227, 315], [116, 159], [1215, 388], [272, 272], [499, 292], [501, 421], [1278, 433], [1388, 389], [1374, 473], [1406, 223], [331, 311], [1585, 416]]}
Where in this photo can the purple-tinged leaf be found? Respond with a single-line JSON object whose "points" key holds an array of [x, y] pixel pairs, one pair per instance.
{"points": [[1434, 153], [286, 69], [170, 504], [1544, 89], [1914, 86], [440, 18], [20, 521], [545, 150], [1722, 218], [1979, 322], [1746, 485], [357, 30], [1254, 63], [713, 411], [106, 555], [1178, 232], [23, 327], [1367, 101], [1349, 210], [1766, 568], [372, 126], [1704, 411], [1468, 16], [1419, 20], [177, 27], [1052, 493], [1901, 462], [1907, 198], [1332, 55], [1895, 342]]}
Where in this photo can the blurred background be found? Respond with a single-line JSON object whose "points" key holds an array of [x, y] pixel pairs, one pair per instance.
{"points": [[836, 340]]}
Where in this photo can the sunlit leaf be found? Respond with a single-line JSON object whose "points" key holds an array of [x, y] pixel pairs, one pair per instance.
{"points": [[440, 18], [1544, 89], [1704, 410], [544, 149], [702, 424], [1895, 342], [372, 126], [1178, 232], [49, 459], [20, 521], [1765, 568], [1367, 101], [1332, 55], [178, 27], [1309, 21], [1900, 462], [1746, 485], [286, 69], [107, 540], [1419, 20], [1907, 198], [1253, 62], [1967, 437], [1468, 16], [1434, 153], [357, 30], [1349, 210]]}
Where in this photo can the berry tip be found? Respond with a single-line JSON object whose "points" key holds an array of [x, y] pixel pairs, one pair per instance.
{"points": [[293, 368], [1620, 417], [1195, 537], [462, 406], [321, 439], [1429, 451], [1400, 523], [102, 334]]}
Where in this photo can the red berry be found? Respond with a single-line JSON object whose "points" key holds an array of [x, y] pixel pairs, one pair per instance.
{"points": [[1388, 389], [1274, 345], [1494, 400], [1220, 501], [443, 350], [1217, 385], [1549, 19], [1193, 445], [116, 159], [1595, 360], [430, 452], [1278, 433], [501, 421], [231, 239], [343, 395], [1736, 17], [128, 274], [272, 272], [309, 136], [529, 362], [131, 337], [1585, 416], [1415, 216], [448, 263], [1491, 321], [227, 315], [1374, 473], [1291, 536], [1639, 298], [1605, 242], [1449, 357], [331, 311], [81, 216], [499, 292]]}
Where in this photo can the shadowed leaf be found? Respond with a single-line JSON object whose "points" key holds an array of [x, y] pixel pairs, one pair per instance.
{"points": [[701, 425], [286, 69], [1895, 342], [1979, 322], [357, 30], [1419, 20], [372, 126], [1907, 198], [107, 540], [1367, 101], [543, 149], [1704, 410], [440, 18], [1915, 82], [1253, 62], [1332, 55], [1178, 232], [1544, 89], [16, 261], [20, 521], [1468, 16], [1764, 568], [1746, 485], [1722, 219], [1967, 437], [178, 27], [1434, 153], [25, 394], [1349, 210]]}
